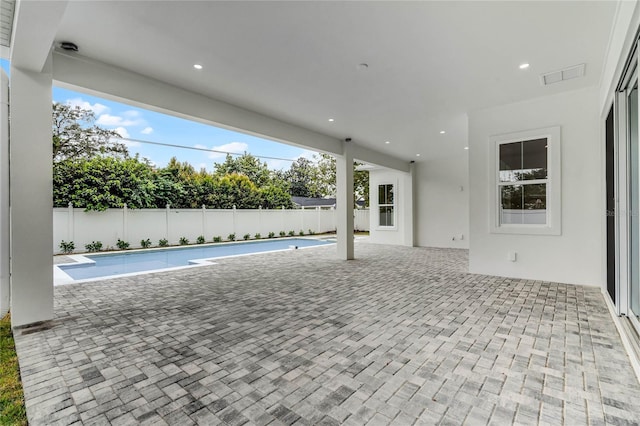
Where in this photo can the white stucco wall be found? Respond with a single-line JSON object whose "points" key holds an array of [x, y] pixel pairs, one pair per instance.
{"points": [[402, 232], [575, 255], [442, 202]]}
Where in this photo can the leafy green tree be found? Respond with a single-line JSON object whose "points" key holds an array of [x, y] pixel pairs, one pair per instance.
{"points": [[274, 197], [236, 190], [103, 182], [246, 164], [76, 136], [301, 176]]}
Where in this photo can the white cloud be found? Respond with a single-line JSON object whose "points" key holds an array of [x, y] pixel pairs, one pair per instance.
{"points": [[232, 147], [147, 130], [118, 121], [124, 133], [97, 108]]}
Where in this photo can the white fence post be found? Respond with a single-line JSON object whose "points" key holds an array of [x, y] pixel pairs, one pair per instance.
{"points": [[168, 212], [204, 215], [283, 220], [319, 214], [124, 222], [70, 222], [234, 219]]}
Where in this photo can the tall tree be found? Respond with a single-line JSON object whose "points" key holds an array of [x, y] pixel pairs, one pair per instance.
{"points": [[76, 136], [301, 177], [246, 164]]}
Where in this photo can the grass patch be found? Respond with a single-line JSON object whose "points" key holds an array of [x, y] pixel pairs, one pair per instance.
{"points": [[12, 411]]}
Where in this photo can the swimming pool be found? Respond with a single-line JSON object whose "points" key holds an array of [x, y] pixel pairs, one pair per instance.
{"points": [[113, 264]]}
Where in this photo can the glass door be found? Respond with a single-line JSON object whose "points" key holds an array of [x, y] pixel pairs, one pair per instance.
{"points": [[634, 196]]}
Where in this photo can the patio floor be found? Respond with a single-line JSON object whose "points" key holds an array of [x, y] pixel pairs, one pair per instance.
{"points": [[398, 336]]}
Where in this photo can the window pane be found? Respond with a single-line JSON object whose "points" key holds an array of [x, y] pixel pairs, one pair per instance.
{"points": [[381, 194], [386, 216], [523, 204], [389, 194], [525, 160], [510, 161], [534, 159]]}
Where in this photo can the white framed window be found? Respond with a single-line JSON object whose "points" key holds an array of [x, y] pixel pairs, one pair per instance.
{"points": [[386, 206], [525, 177]]}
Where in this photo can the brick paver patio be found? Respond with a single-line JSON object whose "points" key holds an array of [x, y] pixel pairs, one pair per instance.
{"points": [[398, 336]]}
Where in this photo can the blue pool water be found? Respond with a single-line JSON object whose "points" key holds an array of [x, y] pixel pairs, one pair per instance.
{"points": [[148, 260]]}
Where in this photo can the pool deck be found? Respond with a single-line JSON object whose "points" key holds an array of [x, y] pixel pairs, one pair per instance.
{"points": [[398, 336]]}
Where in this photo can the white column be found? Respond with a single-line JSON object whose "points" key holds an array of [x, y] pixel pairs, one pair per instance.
{"points": [[31, 190], [344, 202], [409, 236], [4, 195]]}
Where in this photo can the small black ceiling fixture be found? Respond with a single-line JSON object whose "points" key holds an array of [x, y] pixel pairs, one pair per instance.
{"points": [[67, 45]]}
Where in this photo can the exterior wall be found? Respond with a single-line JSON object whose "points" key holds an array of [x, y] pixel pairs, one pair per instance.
{"points": [[575, 255], [130, 225], [402, 232], [442, 202]]}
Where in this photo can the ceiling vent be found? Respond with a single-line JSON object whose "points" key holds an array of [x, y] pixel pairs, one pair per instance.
{"points": [[562, 75]]}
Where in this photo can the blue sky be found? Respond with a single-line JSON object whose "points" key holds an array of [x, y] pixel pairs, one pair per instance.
{"points": [[137, 123]]}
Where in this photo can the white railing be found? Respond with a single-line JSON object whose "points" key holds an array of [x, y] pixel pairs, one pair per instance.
{"points": [[133, 225]]}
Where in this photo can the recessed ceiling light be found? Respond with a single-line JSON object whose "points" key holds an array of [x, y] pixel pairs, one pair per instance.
{"points": [[197, 66], [524, 66], [387, 142], [331, 119], [466, 147], [442, 132], [417, 155]]}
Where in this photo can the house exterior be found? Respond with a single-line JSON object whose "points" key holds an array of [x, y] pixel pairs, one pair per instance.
{"points": [[506, 128]]}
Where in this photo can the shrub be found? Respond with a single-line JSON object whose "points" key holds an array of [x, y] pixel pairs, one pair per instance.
{"points": [[311, 232], [231, 237], [272, 234], [122, 245], [282, 233], [145, 243], [217, 239], [93, 246], [163, 242], [184, 241], [257, 236], [200, 239], [292, 233], [67, 247], [246, 236], [301, 233]]}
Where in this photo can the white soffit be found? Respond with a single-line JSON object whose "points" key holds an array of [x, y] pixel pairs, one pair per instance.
{"points": [[429, 62]]}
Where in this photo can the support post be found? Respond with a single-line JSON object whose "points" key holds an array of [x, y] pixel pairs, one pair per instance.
{"points": [[4, 195], [344, 201], [30, 194]]}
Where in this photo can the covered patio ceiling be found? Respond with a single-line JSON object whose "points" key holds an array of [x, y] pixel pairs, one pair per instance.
{"points": [[383, 71]]}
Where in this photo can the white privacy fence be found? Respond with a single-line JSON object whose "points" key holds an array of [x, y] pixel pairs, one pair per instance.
{"points": [[83, 227]]}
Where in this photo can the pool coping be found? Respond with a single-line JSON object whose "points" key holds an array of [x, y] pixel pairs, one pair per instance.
{"points": [[62, 278]]}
